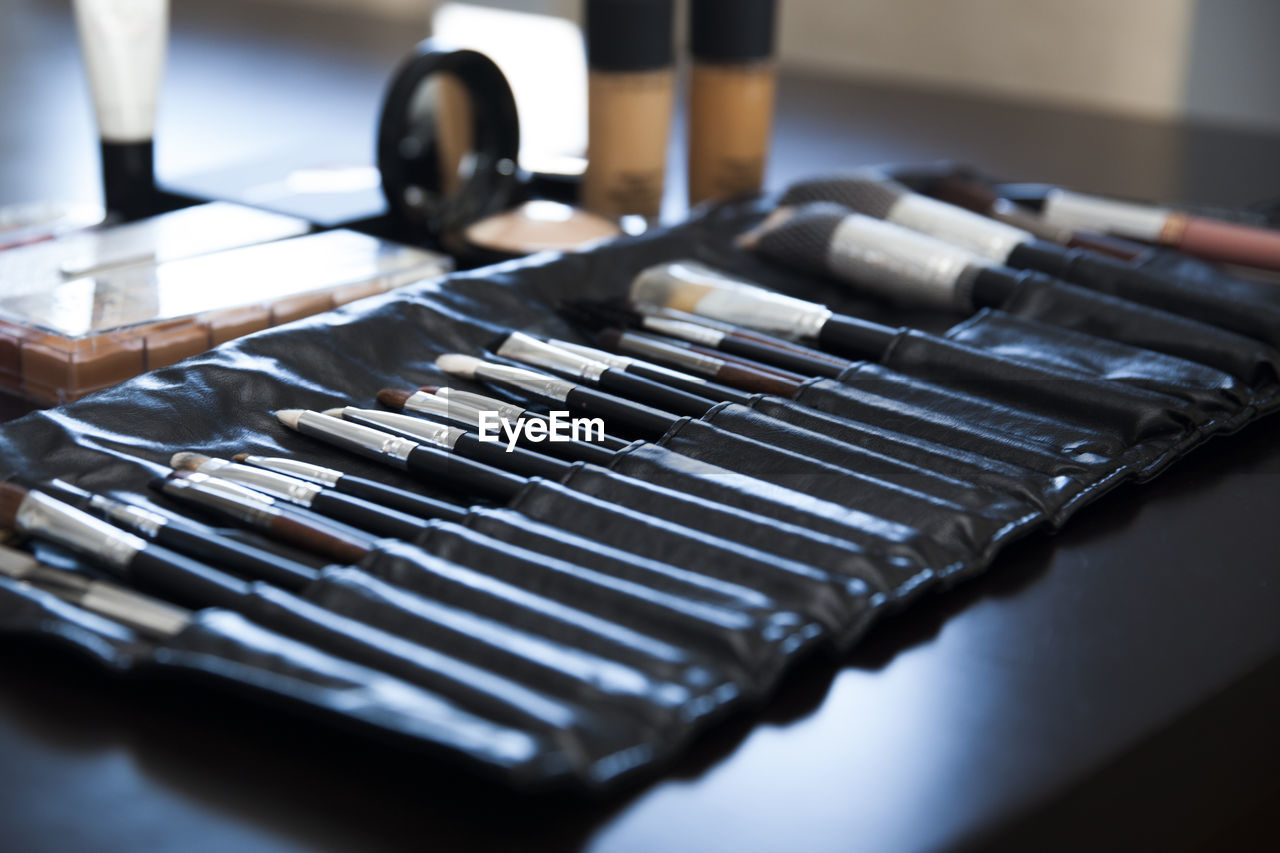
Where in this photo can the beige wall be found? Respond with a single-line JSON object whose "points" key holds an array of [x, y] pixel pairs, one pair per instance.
{"points": [[1121, 55]]}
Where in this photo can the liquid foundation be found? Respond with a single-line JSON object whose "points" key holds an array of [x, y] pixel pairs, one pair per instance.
{"points": [[731, 96], [630, 95]]}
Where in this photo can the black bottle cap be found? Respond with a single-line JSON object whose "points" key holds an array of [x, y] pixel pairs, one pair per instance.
{"points": [[731, 30], [629, 35]]}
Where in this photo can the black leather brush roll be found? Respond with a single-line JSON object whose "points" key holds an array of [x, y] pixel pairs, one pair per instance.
{"points": [[583, 633]]}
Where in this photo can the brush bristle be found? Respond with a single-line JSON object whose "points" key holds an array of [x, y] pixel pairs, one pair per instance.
{"points": [[802, 241], [457, 364], [748, 239], [187, 460], [241, 457], [289, 417], [429, 389], [608, 339], [335, 412], [394, 398], [870, 194], [11, 497]]}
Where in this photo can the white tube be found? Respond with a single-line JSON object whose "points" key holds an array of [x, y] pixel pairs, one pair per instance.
{"points": [[123, 42]]}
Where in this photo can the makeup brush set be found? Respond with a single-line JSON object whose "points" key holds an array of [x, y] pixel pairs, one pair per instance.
{"points": [[553, 518]]}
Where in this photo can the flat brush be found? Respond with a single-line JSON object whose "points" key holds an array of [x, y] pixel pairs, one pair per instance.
{"points": [[129, 557], [517, 460], [429, 463], [520, 347], [261, 512], [357, 512], [640, 418], [418, 506], [425, 402], [728, 373], [147, 616], [185, 536], [695, 289]]}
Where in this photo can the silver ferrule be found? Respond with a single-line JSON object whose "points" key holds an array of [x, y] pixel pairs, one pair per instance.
{"points": [[625, 361], [18, 565], [520, 347], [361, 439], [651, 347], [141, 613], [442, 407], [281, 486], [427, 432], [224, 497], [145, 521], [691, 332], [526, 380], [612, 359], [481, 403], [41, 515], [295, 468]]}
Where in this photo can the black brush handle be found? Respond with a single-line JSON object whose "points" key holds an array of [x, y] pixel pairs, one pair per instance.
{"points": [[419, 506], [365, 515], [184, 580], [524, 463], [642, 390], [637, 416], [858, 338], [240, 558], [442, 467], [707, 390]]}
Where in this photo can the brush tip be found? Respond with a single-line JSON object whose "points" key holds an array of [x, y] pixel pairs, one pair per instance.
{"points": [[429, 389], [394, 398], [609, 338], [335, 412], [187, 461], [241, 457], [749, 238], [457, 364], [289, 417]]}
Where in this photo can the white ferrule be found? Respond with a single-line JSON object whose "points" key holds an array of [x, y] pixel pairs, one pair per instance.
{"points": [[1078, 212], [123, 42], [898, 263], [959, 227]]}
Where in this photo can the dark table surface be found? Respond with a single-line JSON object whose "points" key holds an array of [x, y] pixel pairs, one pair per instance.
{"points": [[1115, 684]]}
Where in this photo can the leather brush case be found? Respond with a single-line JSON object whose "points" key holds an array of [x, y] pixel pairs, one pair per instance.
{"points": [[445, 690]]}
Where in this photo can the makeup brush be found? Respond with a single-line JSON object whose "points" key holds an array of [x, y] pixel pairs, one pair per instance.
{"points": [[643, 419], [514, 459], [147, 616], [425, 402], [432, 464], [749, 379], [505, 409], [128, 556], [185, 536], [686, 382], [356, 512], [518, 346], [696, 289], [418, 506]]}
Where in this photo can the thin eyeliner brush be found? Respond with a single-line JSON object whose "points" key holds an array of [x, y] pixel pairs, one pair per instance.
{"points": [[686, 382], [794, 360], [727, 373], [261, 512], [524, 463], [696, 289], [523, 348], [353, 511], [418, 506], [428, 463], [424, 402], [640, 418], [185, 536]]}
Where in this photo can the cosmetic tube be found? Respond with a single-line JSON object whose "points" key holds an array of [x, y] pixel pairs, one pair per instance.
{"points": [[123, 43], [630, 92], [731, 96]]}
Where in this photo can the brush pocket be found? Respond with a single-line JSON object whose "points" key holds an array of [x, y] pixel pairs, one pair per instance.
{"points": [[957, 528], [1251, 362], [827, 583]]}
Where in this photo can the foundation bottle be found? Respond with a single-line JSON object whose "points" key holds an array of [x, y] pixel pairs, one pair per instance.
{"points": [[630, 95], [731, 96]]}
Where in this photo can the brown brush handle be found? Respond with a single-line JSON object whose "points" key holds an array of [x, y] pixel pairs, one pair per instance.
{"points": [[1226, 241], [1106, 244]]}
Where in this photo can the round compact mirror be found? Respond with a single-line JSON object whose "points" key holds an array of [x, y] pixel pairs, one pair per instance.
{"points": [[448, 143]]}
